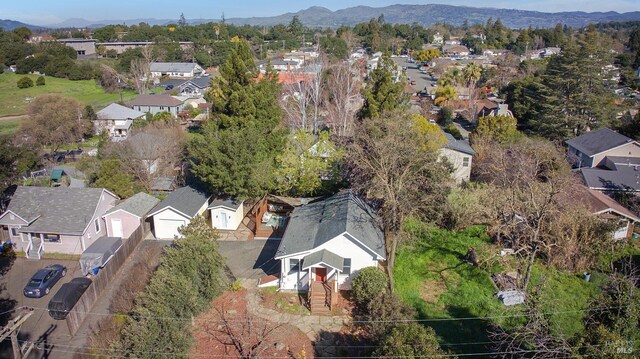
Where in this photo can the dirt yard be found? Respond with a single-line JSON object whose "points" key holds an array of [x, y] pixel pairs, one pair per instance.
{"points": [[228, 328]]}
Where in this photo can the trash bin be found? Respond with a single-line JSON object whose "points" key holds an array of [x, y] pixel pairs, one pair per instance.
{"points": [[587, 276]]}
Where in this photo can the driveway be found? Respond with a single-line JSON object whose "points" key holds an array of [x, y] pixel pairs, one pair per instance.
{"points": [[40, 327], [251, 259]]}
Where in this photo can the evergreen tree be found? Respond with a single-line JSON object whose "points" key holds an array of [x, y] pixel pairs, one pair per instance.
{"points": [[382, 93], [235, 153]]}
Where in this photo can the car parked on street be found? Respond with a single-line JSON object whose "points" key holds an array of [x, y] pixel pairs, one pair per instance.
{"points": [[43, 280]]}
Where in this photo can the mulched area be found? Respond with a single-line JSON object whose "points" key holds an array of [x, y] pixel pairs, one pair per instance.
{"points": [[228, 318], [296, 303]]}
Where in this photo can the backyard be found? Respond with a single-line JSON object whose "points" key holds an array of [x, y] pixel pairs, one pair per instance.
{"points": [[14, 101], [458, 300]]}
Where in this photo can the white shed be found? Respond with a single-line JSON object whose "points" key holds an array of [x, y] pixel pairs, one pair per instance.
{"points": [[177, 210], [226, 214]]}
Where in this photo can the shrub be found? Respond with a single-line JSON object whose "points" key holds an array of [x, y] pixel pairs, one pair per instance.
{"points": [[40, 81], [25, 82], [367, 285], [453, 131], [410, 340], [385, 312]]}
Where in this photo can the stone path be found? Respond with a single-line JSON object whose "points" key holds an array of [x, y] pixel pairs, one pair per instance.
{"points": [[311, 325]]}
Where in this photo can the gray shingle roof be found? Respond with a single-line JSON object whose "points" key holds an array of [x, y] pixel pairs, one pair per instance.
{"points": [[598, 141], [458, 145], [164, 183], [186, 200], [317, 223], [156, 100], [227, 203], [324, 256], [624, 179], [172, 66], [138, 205], [118, 112], [61, 210]]}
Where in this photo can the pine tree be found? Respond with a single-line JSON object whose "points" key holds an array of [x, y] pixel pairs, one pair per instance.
{"points": [[382, 93]]}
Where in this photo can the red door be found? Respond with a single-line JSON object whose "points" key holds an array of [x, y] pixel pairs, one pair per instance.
{"points": [[321, 274]]}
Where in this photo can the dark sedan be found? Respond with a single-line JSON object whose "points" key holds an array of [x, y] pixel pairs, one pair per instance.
{"points": [[44, 279]]}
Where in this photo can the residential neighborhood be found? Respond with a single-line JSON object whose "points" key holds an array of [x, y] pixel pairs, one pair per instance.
{"points": [[323, 183]]}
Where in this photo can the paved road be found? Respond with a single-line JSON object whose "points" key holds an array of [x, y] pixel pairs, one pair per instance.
{"points": [[40, 326], [413, 73]]}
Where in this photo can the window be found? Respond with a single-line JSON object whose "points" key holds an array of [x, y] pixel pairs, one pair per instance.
{"points": [[52, 237], [14, 232], [97, 224], [465, 162], [162, 107], [294, 265], [346, 267]]}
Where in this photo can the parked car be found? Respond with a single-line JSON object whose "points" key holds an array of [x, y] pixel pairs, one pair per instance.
{"points": [[66, 298], [41, 283], [169, 87], [413, 82]]}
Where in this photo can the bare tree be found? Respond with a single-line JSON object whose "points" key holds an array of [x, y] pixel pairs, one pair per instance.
{"points": [[151, 152], [139, 73], [343, 97], [296, 100], [316, 88], [248, 336], [109, 78], [395, 166]]}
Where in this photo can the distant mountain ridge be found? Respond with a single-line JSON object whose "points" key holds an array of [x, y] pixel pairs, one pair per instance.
{"points": [[317, 16], [10, 25]]}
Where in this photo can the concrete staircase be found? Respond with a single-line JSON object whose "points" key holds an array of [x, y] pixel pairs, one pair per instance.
{"points": [[320, 298], [36, 250]]}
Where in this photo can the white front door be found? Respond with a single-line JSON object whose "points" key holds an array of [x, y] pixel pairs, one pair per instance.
{"points": [[116, 228], [223, 220]]}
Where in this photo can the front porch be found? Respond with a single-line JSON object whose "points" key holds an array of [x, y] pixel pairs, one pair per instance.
{"points": [[323, 270]]}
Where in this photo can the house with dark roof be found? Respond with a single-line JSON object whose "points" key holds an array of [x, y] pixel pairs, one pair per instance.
{"points": [[116, 120], [157, 103], [326, 243], [56, 219], [226, 214], [591, 148], [194, 87], [177, 210], [460, 154], [123, 219]]}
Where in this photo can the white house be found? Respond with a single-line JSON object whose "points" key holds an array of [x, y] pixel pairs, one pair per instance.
{"points": [[177, 210], [175, 69], [226, 214], [460, 154], [116, 120], [326, 243], [157, 103]]}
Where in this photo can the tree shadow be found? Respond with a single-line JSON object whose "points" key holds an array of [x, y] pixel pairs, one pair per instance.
{"points": [[342, 345], [462, 336]]}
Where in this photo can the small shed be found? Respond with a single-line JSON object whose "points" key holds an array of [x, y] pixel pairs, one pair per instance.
{"points": [[123, 219], [99, 253], [67, 296], [226, 214]]}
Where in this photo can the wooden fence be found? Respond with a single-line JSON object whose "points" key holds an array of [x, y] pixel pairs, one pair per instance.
{"points": [[100, 281]]}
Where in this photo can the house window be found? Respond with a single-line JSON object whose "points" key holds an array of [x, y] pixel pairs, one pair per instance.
{"points": [[96, 223], [294, 265], [162, 107], [52, 237], [465, 162], [346, 267], [14, 232]]}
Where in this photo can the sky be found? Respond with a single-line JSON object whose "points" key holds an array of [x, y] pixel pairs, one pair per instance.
{"points": [[46, 12]]}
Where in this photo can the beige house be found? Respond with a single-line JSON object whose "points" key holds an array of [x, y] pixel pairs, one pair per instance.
{"points": [[592, 148], [460, 154], [116, 120]]}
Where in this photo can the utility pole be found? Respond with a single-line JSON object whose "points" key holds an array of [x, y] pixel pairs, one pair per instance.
{"points": [[12, 330]]}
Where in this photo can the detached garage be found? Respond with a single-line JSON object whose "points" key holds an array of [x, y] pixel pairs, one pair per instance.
{"points": [[177, 210], [123, 219]]}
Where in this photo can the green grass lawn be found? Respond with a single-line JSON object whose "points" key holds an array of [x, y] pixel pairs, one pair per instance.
{"points": [[13, 100], [9, 127], [458, 300]]}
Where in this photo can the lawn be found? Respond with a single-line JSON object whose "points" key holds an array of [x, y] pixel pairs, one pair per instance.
{"points": [[14, 101], [457, 299], [9, 127]]}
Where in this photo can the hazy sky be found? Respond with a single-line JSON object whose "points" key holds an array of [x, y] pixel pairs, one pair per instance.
{"points": [[43, 12]]}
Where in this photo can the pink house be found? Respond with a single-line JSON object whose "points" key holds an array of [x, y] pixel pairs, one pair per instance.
{"points": [[123, 219]]}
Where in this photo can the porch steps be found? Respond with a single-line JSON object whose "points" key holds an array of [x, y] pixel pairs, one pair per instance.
{"points": [[318, 301], [34, 251]]}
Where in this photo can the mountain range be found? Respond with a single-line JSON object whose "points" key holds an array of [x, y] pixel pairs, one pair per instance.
{"points": [[317, 16]]}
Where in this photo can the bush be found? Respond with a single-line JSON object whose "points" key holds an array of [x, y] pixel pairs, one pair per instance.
{"points": [[40, 81], [25, 82], [453, 131], [385, 312], [410, 340], [367, 285]]}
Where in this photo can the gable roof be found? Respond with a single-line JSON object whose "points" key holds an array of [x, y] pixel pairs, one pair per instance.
{"points": [[597, 202], [626, 179], [156, 100], [138, 205], [312, 225], [458, 145], [172, 66], [60, 210], [598, 141], [118, 112], [185, 200], [226, 203], [324, 256]]}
